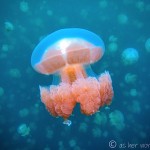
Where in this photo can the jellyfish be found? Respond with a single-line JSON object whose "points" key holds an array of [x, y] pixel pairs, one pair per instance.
{"points": [[23, 130], [96, 132], [24, 7], [9, 26], [23, 112], [130, 78], [83, 127], [100, 119], [67, 54], [117, 119], [147, 45], [130, 56], [1, 91], [122, 19], [72, 143]]}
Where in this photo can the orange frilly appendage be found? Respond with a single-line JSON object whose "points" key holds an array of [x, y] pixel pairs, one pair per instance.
{"points": [[58, 100], [92, 93], [106, 89], [89, 92], [86, 92]]}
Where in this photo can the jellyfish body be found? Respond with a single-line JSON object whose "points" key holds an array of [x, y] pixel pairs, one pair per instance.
{"points": [[9, 26], [23, 130], [66, 52], [117, 119], [130, 56]]}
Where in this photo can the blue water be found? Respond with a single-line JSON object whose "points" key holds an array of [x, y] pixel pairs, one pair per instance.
{"points": [[120, 24]]}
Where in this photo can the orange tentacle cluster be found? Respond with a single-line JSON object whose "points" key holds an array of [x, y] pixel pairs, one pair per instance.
{"points": [[58, 100], [89, 92]]}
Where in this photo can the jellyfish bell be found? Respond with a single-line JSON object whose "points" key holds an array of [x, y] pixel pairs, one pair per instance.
{"points": [[65, 53], [65, 47]]}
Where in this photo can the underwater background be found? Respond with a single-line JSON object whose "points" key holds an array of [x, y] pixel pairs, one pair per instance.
{"points": [[25, 124]]}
